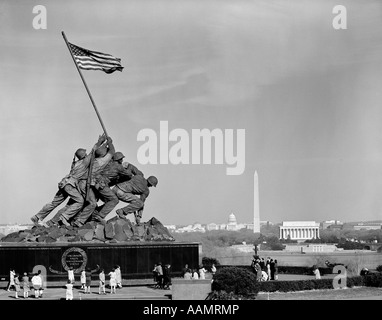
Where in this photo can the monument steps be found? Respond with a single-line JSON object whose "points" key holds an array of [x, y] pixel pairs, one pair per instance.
{"points": [[120, 297], [125, 293]]}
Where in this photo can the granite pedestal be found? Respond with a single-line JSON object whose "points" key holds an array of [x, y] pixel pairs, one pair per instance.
{"points": [[136, 259]]}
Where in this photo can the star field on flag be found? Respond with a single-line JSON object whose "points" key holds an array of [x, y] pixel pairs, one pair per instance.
{"points": [[93, 60]]}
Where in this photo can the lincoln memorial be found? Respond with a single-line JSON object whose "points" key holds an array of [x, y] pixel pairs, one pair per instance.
{"points": [[299, 230]]}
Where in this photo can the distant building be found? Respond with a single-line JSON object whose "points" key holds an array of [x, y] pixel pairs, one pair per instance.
{"points": [[231, 225], [334, 227], [334, 224], [311, 247], [6, 229], [222, 226], [300, 230], [368, 226], [197, 227], [212, 226]]}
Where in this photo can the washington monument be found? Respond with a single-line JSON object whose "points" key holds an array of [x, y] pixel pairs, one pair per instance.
{"points": [[256, 205]]}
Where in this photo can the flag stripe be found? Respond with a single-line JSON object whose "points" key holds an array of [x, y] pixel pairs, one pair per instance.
{"points": [[83, 59], [88, 65], [96, 67], [104, 55], [91, 63], [93, 60], [102, 58]]}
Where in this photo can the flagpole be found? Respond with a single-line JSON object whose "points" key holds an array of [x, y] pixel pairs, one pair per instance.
{"points": [[86, 86], [88, 180]]}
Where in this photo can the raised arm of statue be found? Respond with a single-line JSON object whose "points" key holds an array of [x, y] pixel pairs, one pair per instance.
{"points": [[111, 145]]}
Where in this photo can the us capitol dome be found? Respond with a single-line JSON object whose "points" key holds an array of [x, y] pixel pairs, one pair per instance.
{"points": [[232, 222]]}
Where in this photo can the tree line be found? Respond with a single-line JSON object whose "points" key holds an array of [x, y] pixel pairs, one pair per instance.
{"points": [[269, 238]]}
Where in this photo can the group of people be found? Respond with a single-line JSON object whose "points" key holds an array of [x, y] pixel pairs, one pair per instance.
{"points": [[316, 272], [36, 282], [195, 274], [162, 276], [265, 270], [100, 175], [115, 280], [17, 283]]}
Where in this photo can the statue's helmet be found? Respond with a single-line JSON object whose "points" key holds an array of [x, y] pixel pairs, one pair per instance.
{"points": [[100, 152], [118, 156], [153, 181], [80, 153]]}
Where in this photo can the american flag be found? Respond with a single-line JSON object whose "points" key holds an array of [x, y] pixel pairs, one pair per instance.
{"points": [[93, 60]]}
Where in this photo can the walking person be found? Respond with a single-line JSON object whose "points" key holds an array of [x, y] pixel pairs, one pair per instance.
{"points": [[262, 264], [159, 269], [155, 274], [17, 285], [184, 269], [272, 269], [37, 285], [11, 282], [188, 275], [69, 290], [253, 262], [26, 286], [112, 281], [41, 291], [83, 279], [118, 276], [169, 282], [167, 277], [268, 268], [316, 272], [88, 280], [202, 272], [276, 270], [71, 275], [102, 282], [213, 269], [259, 273]]}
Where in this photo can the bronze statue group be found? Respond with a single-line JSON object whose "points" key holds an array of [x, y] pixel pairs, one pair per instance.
{"points": [[100, 175]]}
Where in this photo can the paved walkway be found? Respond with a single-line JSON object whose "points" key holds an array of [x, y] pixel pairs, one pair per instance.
{"points": [[144, 290], [149, 293], [125, 293]]}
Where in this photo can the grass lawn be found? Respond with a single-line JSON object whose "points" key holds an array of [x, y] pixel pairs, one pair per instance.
{"points": [[358, 293]]}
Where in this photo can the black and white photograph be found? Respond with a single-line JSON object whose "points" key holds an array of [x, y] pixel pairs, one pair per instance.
{"points": [[189, 154]]}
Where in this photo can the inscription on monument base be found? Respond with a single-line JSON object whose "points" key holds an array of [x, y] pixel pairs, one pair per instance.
{"points": [[74, 257]]}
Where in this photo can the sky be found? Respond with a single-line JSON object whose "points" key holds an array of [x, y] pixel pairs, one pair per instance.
{"points": [[300, 99]]}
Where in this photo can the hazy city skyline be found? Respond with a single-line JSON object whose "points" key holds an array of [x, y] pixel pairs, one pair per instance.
{"points": [[306, 95]]}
